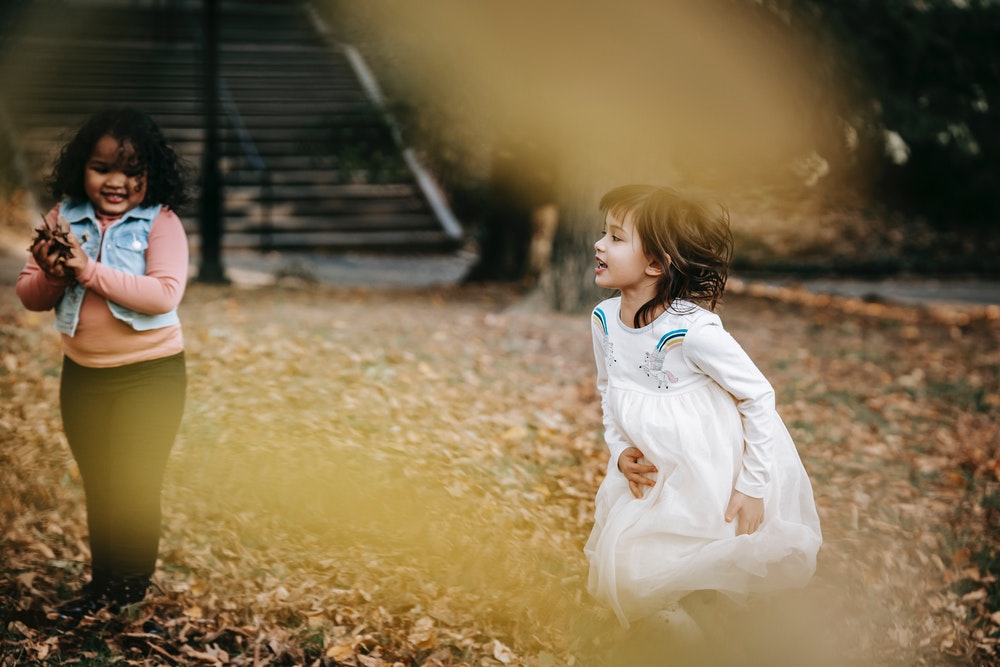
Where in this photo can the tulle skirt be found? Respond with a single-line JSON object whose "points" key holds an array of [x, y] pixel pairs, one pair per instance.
{"points": [[647, 553]]}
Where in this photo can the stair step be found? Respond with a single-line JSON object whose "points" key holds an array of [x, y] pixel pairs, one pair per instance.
{"points": [[339, 223], [328, 211], [267, 124], [300, 101], [237, 172], [317, 241], [351, 191]]}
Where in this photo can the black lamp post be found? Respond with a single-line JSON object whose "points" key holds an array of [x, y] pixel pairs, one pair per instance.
{"points": [[211, 218]]}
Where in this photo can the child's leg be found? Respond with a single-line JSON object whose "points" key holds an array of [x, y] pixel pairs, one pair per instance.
{"points": [[85, 401], [144, 422], [713, 611], [121, 424]]}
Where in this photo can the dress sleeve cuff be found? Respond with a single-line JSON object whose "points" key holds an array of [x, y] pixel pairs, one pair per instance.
{"points": [[616, 453], [751, 487]]}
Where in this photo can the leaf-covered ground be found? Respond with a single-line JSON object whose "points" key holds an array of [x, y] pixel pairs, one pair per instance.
{"points": [[399, 478]]}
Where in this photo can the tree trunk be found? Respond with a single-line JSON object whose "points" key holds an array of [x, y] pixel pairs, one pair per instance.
{"points": [[522, 216]]}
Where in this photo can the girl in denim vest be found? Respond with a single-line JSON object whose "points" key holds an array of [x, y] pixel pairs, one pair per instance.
{"points": [[115, 298]]}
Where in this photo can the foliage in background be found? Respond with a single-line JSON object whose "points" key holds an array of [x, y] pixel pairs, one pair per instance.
{"points": [[912, 89], [358, 144], [17, 204], [902, 173], [11, 170], [896, 104]]}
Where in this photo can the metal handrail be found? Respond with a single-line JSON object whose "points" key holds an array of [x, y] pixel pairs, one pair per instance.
{"points": [[236, 120], [256, 161], [428, 184], [425, 179]]}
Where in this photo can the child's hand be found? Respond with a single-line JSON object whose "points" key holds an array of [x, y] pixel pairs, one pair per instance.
{"points": [[47, 259], [750, 511], [52, 247], [636, 472], [78, 260]]}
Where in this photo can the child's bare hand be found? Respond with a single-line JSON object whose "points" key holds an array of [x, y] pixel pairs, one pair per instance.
{"points": [[47, 259], [748, 509], [52, 247], [77, 260], [636, 472]]}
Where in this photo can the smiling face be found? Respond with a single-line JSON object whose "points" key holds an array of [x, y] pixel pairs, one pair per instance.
{"points": [[621, 262], [113, 180]]}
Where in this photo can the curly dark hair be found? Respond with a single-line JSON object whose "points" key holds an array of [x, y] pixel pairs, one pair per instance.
{"points": [[691, 240], [165, 171]]}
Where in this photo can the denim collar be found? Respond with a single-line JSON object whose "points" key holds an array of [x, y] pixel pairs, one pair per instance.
{"points": [[75, 211]]}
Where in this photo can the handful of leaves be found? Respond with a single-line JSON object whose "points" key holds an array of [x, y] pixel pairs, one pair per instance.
{"points": [[58, 240]]}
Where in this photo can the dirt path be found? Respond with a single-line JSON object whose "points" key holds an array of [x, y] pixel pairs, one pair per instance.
{"points": [[408, 477]]}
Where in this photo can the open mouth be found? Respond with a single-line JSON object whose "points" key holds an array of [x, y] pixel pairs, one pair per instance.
{"points": [[601, 265]]}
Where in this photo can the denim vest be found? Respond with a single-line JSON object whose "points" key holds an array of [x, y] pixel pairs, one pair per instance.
{"points": [[122, 247]]}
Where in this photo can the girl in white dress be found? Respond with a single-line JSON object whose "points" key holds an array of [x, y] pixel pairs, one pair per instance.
{"points": [[705, 490]]}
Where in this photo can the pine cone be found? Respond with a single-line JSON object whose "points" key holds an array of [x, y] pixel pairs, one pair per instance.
{"points": [[59, 239]]}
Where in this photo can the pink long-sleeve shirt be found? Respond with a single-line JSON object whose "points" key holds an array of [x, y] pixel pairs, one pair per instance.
{"points": [[102, 340]]}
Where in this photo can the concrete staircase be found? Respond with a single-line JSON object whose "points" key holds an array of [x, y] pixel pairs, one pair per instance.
{"points": [[308, 159]]}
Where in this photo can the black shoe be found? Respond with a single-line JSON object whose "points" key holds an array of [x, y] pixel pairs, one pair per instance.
{"points": [[94, 589], [128, 590], [101, 594], [87, 604]]}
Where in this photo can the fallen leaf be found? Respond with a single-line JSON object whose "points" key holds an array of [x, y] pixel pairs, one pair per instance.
{"points": [[503, 653], [423, 635], [340, 652]]}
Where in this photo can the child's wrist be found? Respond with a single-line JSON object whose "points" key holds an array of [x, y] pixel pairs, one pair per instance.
{"points": [[55, 278], [86, 272]]}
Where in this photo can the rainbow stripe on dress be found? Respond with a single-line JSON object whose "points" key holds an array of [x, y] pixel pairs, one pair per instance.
{"points": [[671, 339], [602, 320]]}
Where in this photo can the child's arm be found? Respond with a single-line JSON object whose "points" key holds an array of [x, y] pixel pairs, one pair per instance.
{"points": [[42, 283], [624, 456], [38, 289], [161, 288], [714, 352]]}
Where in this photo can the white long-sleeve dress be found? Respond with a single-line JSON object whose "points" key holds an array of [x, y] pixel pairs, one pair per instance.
{"points": [[684, 392]]}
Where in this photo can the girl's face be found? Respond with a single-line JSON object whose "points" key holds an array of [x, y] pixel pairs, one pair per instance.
{"points": [[621, 262], [114, 183]]}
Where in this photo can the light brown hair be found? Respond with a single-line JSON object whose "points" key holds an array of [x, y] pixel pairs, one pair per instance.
{"points": [[691, 241]]}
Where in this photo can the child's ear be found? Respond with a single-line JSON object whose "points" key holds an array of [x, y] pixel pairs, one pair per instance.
{"points": [[656, 267]]}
